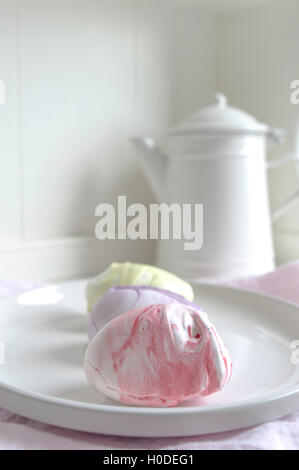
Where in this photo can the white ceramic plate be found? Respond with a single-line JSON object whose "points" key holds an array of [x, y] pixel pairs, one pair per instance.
{"points": [[42, 378]]}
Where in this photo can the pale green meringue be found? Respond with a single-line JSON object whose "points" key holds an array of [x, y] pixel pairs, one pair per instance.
{"points": [[126, 274]]}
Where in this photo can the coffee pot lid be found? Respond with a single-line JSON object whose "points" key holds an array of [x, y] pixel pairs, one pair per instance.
{"points": [[219, 118]]}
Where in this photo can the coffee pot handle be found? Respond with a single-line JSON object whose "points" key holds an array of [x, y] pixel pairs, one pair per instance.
{"points": [[294, 198]]}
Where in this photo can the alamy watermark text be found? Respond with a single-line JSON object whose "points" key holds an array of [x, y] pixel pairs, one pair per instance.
{"points": [[174, 221]]}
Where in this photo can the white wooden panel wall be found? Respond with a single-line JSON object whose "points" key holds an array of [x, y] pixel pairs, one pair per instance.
{"points": [[10, 165], [82, 76], [77, 110]]}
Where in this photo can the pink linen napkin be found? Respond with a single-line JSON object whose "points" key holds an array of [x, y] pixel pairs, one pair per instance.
{"points": [[17, 432]]}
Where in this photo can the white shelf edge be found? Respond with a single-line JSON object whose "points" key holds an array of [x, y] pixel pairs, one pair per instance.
{"points": [[68, 258]]}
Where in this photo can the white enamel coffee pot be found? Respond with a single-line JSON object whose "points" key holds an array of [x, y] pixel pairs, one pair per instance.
{"points": [[217, 157]]}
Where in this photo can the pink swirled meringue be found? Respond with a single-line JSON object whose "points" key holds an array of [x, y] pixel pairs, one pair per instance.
{"points": [[122, 299], [158, 356]]}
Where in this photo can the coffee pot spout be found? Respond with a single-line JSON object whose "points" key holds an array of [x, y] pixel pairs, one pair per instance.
{"points": [[153, 161]]}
